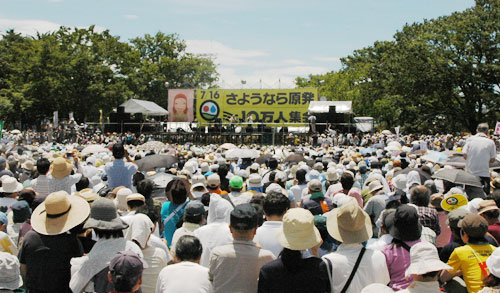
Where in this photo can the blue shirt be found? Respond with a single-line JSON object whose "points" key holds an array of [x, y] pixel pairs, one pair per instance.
{"points": [[170, 227], [120, 173]]}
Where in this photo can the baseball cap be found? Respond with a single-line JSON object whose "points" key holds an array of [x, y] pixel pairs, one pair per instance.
{"points": [[236, 182], [198, 179], [244, 217], [213, 180], [21, 211], [474, 225], [136, 196], [194, 208], [315, 185], [127, 264]]}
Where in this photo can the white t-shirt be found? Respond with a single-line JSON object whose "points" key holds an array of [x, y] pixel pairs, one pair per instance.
{"points": [[479, 149], [266, 236], [183, 277]]}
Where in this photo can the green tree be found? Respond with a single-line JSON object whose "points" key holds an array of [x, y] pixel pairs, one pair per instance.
{"points": [[163, 63]]}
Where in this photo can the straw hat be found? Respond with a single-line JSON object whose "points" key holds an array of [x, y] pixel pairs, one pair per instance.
{"points": [[60, 168], [424, 259], [349, 224], [10, 185], [298, 231], [59, 213], [375, 185], [88, 195]]}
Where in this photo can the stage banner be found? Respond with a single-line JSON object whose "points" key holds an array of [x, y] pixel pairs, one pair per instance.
{"points": [[180, 105], [282, 107]]}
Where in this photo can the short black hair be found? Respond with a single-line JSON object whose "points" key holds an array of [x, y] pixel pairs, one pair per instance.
{"points": [[188, 247], [420, 195], [42, 166], [347, 181], [124, 283], [272, 163], [149, 211], [300, 175], [118, 151], [132, 204], [492, 214], [430, 275], [276, 204], [82, 184], [145, 187], [108, 234], [223, 170]]}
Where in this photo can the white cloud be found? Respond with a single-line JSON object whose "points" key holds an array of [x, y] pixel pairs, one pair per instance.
{"points": [[33, 26], [223, 54], [293, 62], [28, 26], [327, 59], [130, 16], [257, 67]]}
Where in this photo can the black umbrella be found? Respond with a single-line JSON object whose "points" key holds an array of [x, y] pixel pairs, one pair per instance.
{"points": [[262, 159], [458, 176], [423, 175], [459, 162], [294, 158], [156, 161]]}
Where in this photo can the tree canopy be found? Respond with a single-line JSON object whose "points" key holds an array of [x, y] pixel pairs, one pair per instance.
{"points": [[84, 71], [440, 75]]}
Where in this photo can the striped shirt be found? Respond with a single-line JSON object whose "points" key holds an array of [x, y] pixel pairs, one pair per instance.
{"points": [[41, 185]]}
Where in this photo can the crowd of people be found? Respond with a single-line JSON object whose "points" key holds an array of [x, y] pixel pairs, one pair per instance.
{"points": [[369, 213]]}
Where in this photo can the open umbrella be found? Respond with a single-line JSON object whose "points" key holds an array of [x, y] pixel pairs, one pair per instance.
{"points": [[459, 162], [156, 161], [262, 159], [242, 154], [386, 132], [294, 158], [15, 131], [435, 157], [458, 176], [94, 149], [423, 175], [227, 146]]}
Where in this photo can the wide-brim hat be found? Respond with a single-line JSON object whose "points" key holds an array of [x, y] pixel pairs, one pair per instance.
{"points": [[405, 224], [424, 259], [349, 224], [10, 185], [60, 168], [59, 213], [375, 185], [103, 216], [298, 231]]}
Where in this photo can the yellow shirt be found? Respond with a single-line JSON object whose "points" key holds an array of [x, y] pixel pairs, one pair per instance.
{"points": [[463, 259], [6, 244]]}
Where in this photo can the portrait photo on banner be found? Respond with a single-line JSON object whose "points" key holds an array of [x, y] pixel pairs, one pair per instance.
{"points": [[180, 105]]}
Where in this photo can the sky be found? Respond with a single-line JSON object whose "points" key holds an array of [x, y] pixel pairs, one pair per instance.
{"points": [[266, 43]]}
